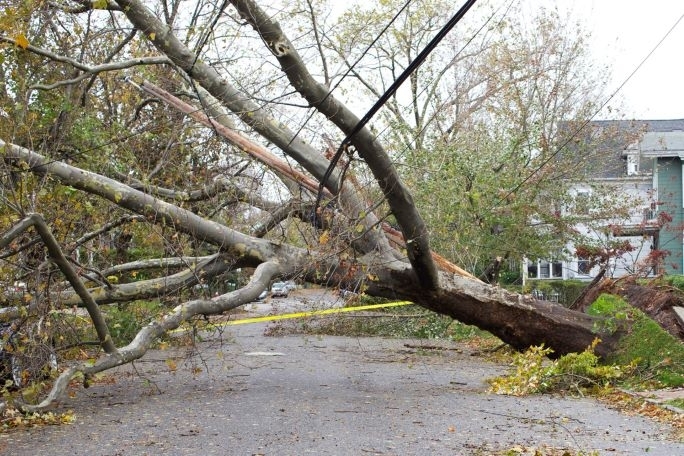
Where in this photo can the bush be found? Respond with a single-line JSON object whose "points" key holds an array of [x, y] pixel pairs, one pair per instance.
{"points": [[125, 321], [534, 373]]}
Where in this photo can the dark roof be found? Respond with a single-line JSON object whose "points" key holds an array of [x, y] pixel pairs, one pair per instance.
{"points": [[612, 137], [655, 125]]}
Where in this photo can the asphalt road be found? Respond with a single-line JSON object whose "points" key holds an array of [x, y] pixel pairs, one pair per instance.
{"points": [[244, 393]]}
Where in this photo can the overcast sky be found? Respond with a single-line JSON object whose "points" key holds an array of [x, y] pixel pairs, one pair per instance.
{"points": [[624, 32]]}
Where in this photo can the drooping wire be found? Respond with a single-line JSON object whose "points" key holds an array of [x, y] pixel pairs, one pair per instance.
{"points": [[581, 127], [351, 67], [420, 58]]}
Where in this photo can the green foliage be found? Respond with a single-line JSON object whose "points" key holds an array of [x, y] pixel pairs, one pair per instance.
{"points": [[658, 354], [534, 373], [612, 309], [411, 322], [125, 321]]}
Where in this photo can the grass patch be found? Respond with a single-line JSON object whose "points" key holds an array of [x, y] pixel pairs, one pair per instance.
{"points": [[406, 322], [679, 403], [658, 355]]}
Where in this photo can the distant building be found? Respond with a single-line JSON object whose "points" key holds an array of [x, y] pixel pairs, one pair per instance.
{"points": [[645, 165]]}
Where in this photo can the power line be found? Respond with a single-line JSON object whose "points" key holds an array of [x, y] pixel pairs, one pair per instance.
{"points": [[391, 90], [598, 110]]}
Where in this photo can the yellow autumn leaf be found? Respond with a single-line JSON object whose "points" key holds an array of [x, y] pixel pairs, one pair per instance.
{"points": [[324, 238], [100, 4], [21, 41], [152, 35], [171, 364]]}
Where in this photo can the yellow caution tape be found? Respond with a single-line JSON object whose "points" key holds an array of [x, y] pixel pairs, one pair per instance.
{"points": [[311, 313]]}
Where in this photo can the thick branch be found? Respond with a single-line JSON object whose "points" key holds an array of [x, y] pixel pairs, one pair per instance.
{"points": [[156, 263], [318, 95], [55, 251], [150, 333], [153, 288], [87, 69]]}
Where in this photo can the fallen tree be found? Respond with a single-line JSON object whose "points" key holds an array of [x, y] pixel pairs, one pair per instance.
{"points": [[344, 235], [516, 319]]}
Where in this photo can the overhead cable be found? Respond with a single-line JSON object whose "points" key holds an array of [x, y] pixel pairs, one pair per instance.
{"points": [[392, 90]]}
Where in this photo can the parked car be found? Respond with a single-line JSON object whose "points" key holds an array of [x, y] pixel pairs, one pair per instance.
{"points": [[262, 295], [290, 285], [27, 352], [279, 289]]}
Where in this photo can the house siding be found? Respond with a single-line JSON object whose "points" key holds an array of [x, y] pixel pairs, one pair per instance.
{"points": [[669, 185]]}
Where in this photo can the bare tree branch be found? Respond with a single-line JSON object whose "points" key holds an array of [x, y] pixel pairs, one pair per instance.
{"points": [[150, 333], [57, 255], [87, 69]]}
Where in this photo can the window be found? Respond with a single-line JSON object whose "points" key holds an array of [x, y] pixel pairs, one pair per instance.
{"points": [[632, 164], [543, 269], [583, 266]]}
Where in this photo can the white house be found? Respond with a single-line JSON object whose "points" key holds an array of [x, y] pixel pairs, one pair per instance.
{"points": [[647, 171]]}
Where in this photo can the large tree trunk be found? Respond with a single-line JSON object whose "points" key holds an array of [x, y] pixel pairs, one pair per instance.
{"points": [[518, 320]]}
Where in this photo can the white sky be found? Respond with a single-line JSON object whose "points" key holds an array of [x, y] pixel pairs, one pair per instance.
{"points": [[623, 33]]}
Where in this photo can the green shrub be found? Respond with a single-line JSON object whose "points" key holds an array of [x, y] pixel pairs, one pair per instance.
{"points": [[534, 373], [568, 290], [125, 321]]}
